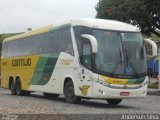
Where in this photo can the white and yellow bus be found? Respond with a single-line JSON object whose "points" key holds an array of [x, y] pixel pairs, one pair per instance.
{"points": [[80, 58]]}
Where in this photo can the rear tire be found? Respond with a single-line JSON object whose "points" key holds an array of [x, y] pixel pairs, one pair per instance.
{"points": [[18, 87], [69, 93], [114, 101], [50, 95], [13, 88]]}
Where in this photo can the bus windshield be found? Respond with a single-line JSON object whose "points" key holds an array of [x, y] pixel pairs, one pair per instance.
{"points": [[120, 53]]}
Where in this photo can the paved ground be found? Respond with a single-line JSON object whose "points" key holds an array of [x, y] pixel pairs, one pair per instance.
{"points": [[38, 104]]}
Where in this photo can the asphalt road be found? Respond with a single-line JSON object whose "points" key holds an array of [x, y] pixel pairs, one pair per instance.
{"points": [[36, 103]]}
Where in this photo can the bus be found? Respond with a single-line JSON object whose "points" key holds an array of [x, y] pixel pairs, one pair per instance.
{"points": [[82, 58]]}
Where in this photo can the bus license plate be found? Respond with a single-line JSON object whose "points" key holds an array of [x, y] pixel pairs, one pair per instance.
{"points": [[124, 94]]}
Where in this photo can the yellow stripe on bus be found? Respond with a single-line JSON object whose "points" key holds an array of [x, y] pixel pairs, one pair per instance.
{"points": [[34, 32], [115, 80]]}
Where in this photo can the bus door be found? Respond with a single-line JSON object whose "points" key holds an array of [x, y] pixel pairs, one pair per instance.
{"points": [[85, 72]]}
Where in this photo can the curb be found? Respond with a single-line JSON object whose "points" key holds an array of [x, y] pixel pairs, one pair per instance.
{"points": [[153, 92]]}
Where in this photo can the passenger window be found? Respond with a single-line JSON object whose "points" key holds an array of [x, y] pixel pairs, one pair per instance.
{"points": [[52, 42], [26, 45], [86, 54], [37, 43], [4, 49], [66, 40]]}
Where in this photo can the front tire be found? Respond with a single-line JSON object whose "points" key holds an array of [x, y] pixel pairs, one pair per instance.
{"points": [[69, 93], [114, 101]]}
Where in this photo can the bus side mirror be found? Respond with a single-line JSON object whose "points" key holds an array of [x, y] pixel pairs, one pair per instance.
{"points": [[154, 46], [93, 42]]}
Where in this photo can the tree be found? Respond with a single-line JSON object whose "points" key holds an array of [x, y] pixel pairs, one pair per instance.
{"points": [[143, 13]]}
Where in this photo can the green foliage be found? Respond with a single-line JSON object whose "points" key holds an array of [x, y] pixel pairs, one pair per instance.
{"points": [[153, 37], [143, 13], [153, 85]]}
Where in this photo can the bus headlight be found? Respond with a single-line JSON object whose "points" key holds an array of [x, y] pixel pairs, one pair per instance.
{"points": [[102, 82]]}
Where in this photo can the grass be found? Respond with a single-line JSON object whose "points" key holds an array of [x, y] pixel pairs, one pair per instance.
{"points": [[153, 85]]}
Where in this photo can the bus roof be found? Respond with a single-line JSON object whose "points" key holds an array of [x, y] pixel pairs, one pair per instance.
{"points": [[33, 32], [88, 22], [105, 24]]}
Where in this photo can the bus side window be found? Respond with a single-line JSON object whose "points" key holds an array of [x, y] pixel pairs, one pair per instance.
{"points": [[4, 49], [66, 40], [86, 54]]}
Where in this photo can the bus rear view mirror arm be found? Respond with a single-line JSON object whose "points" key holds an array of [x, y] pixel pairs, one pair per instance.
{"points": [[93, 41]]}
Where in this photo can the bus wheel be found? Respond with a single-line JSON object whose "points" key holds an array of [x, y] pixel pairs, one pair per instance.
{"points": [[114, 101], [69, 93], [50, 95], [18, 87], [13, 88]]}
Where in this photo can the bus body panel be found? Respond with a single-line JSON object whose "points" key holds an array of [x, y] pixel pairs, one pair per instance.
{"points": [[22, 67], [64, 68]]}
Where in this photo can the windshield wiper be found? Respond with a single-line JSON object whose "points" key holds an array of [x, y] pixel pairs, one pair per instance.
{"points": [[127, 63], [121, 62], [126, 57]]}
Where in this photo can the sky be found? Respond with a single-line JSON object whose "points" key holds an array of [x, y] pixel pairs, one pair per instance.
{"points": [[18, 15]]}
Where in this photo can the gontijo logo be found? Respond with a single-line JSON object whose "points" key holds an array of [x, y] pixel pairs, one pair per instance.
{"points": [[84, 89], [21, 62]]}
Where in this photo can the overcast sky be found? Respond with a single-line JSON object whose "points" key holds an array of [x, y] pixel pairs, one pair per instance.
{"points": [[18, 15]]}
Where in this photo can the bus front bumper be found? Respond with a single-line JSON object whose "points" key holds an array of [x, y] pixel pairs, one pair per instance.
{"points": [[103, 92]]}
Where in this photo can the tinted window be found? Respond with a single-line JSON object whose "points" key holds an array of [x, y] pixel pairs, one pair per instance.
{"points": [[37, 44], [78, 31], [65, 40], [86, 54], [4, 49], [18, 48], [11, 48], [58, 40], [25, 45], [51, 42]]}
